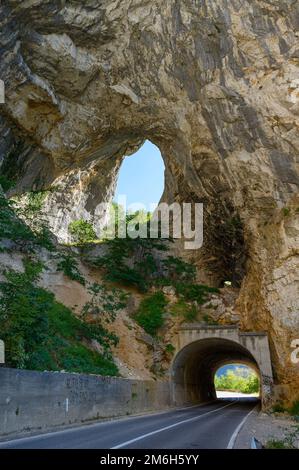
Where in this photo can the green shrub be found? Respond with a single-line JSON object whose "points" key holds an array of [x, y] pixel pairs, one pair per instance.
{"points": [[69, 266], [150, 315], [126, 276], [82, 231], [15, 229], [184, 310], [35, 201], [10, 226], [131, 262], [194, 292], [281, 408], [179, 270], [70, 356], [169, 348], [294, 410], [6, 183], [278, 408], [277, 444], [105, 302], [40, 333], [121, 252], [234, 380]]}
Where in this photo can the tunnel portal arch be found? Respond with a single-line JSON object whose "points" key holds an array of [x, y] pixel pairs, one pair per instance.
{"points": [[201, 350]]}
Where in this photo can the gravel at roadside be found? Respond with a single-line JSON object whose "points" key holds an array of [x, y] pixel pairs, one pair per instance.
{"points": [[268, 427]]}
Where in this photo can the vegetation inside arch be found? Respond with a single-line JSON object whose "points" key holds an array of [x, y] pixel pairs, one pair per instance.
{"points": [[237, 378]]}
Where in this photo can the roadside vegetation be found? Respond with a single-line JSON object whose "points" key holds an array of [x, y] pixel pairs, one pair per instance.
{"points": [[293, 410], [290, 440], [42, 334]]}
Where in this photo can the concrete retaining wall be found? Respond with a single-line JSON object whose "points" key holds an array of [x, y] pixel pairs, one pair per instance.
{"points": [[40, 401]]}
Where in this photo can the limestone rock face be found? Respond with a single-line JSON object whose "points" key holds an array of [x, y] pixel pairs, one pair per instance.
{"points": [[214, 84]]}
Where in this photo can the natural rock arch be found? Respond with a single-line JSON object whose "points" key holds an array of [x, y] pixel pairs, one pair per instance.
{"points": [[212, 83]]}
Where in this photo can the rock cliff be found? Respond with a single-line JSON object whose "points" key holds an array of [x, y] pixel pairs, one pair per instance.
{"points": [[213, 83]]}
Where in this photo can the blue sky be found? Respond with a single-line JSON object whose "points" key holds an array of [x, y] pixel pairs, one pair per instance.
{"points": [[141, 176], [224, 369]]}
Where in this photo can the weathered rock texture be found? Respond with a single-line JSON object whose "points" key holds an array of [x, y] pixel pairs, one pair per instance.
{"points": [[213, 83]]}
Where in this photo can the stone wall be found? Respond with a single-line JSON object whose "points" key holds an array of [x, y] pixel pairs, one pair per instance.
{"points": [[39, 401]]}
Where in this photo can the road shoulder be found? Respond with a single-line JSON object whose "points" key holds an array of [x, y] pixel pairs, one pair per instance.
{"points": [[268, 427]]}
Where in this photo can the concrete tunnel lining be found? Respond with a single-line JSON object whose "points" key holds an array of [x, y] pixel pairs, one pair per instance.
{"points": [[194, 367]]}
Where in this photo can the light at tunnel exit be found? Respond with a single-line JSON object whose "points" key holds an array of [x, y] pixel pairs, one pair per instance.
{"points": [[141, 177], [236, 380]]}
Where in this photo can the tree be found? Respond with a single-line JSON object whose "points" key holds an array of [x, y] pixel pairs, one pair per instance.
{"points": [[82, 231]]}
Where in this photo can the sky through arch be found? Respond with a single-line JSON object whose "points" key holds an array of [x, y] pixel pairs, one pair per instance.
{"points": [[141, 177]]}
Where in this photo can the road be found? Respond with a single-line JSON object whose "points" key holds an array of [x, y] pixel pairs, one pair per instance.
{"points": [[209, 426]]}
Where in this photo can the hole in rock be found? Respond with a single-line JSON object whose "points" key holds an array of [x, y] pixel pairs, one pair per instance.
{"points": [[141, 179], [236, 381]]}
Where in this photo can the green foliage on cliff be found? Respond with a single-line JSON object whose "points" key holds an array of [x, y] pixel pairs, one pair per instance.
{"points": [[235, 380], [182, 309], [178, 269], [10, 226], [82, 231], [6, 183], [35, 201], [42, 334], [69, 266], [143, 263], [194, 292], [130, 262], [150, 314], [104, 302], [13, 228], [135, 261]]}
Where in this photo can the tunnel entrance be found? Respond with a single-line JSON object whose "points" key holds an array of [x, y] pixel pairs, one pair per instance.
{"points": [[195, 366], [202, 350]]}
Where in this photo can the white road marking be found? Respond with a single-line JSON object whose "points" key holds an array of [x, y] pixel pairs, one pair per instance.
{"points": [[139, 438], [238, 429], [108, 421]]}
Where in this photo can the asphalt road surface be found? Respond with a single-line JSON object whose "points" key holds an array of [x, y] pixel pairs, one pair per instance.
{"points": [[209, 426]]}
